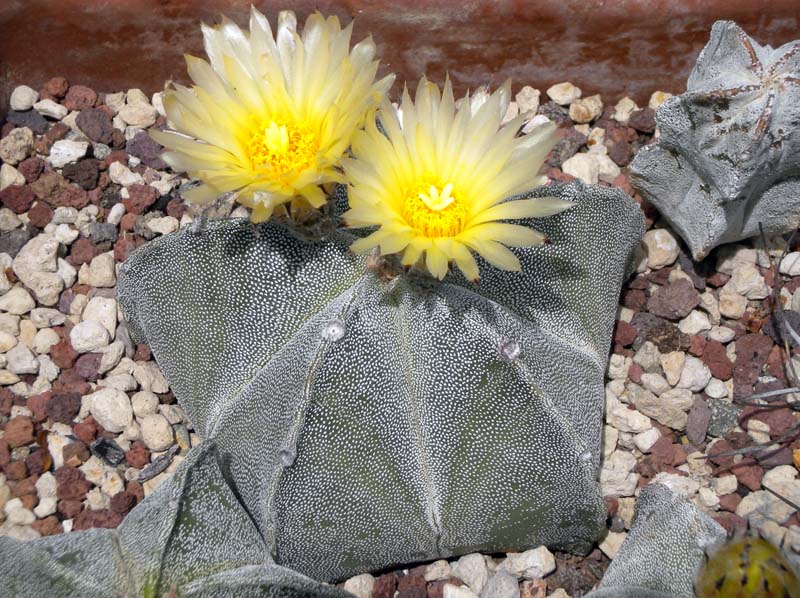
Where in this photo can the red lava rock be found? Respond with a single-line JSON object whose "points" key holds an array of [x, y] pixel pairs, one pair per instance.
{"points": [[7, 128], [57, 132], [696, 345], [16, 470], [773, 458], [87, 366], [415, 578], [38, 406], [37, 463], [775, 363], [612, 505], [568, 144], [63, 407], [618, 140], [49, 526], [142, 353], [141, 198], [75, 453], [25, 486], [137, 456], [31, 168], [125, 245], [716, 359], [122, 502], [698, 420], [80, 97], [717, 279], [634, 299], [147, 150], [533, 588], [660, 276], [5, 453], [643, 120], [748, 475], [69, 508], [40, 215], [62, 354], [635, 372], [71, 483], [6, 401], [49, 186], [17, 198], [96, 125], [85, 431], [623, 182], [128, 222], [731, 522], [115, 156], [29, 501], [668, 452], [89, 519], [674, 301], [135, 489], [70, 381], [18, 431], [72, 197], [778, 420], [55, 88], [84, 173], [95, 196], [83, 251], [752, 351], [729, 502], [176, 208], [624, 333]]}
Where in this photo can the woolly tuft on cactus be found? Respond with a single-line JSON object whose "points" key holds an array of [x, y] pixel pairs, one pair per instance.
{"points": [[366, 423]]}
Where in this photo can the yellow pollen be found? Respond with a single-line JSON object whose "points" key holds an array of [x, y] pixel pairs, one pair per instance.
{"points": [[282, 147], [434, 212]]}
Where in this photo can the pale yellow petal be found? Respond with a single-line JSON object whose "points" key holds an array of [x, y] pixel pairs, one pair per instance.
{"points": [[436, 261]]}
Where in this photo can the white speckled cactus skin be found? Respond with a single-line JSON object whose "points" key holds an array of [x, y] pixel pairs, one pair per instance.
{"points": [[359, 424], [412, 436], [728, 157], [664, 550]]}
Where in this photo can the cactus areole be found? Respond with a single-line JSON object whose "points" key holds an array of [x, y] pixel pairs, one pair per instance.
{"points": [[366, 422]]}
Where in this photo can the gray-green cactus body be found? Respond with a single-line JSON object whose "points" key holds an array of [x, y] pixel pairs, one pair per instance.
{"points": [[366, 423], [664, 550], [186, 539], [728, 156]]}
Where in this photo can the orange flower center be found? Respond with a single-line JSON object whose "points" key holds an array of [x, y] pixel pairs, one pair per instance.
{"points": [[434, 211]]}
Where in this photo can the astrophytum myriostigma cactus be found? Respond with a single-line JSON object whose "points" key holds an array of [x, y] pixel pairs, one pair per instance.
{"points": [[728, 155], [366, 422], [191, 538]]}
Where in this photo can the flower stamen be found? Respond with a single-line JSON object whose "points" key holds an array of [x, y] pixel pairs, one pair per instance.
{"points": [[434, 212], [282, 147]]}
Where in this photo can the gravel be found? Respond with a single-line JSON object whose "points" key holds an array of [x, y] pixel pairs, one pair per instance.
{"points": [[84, 413]]}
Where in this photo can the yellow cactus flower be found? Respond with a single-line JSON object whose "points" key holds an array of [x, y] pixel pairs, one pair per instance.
{"points": [[435, 184], [270, 117]]}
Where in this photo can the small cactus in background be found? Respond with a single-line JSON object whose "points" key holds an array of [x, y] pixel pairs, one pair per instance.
{"points": [[728, 156]]}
